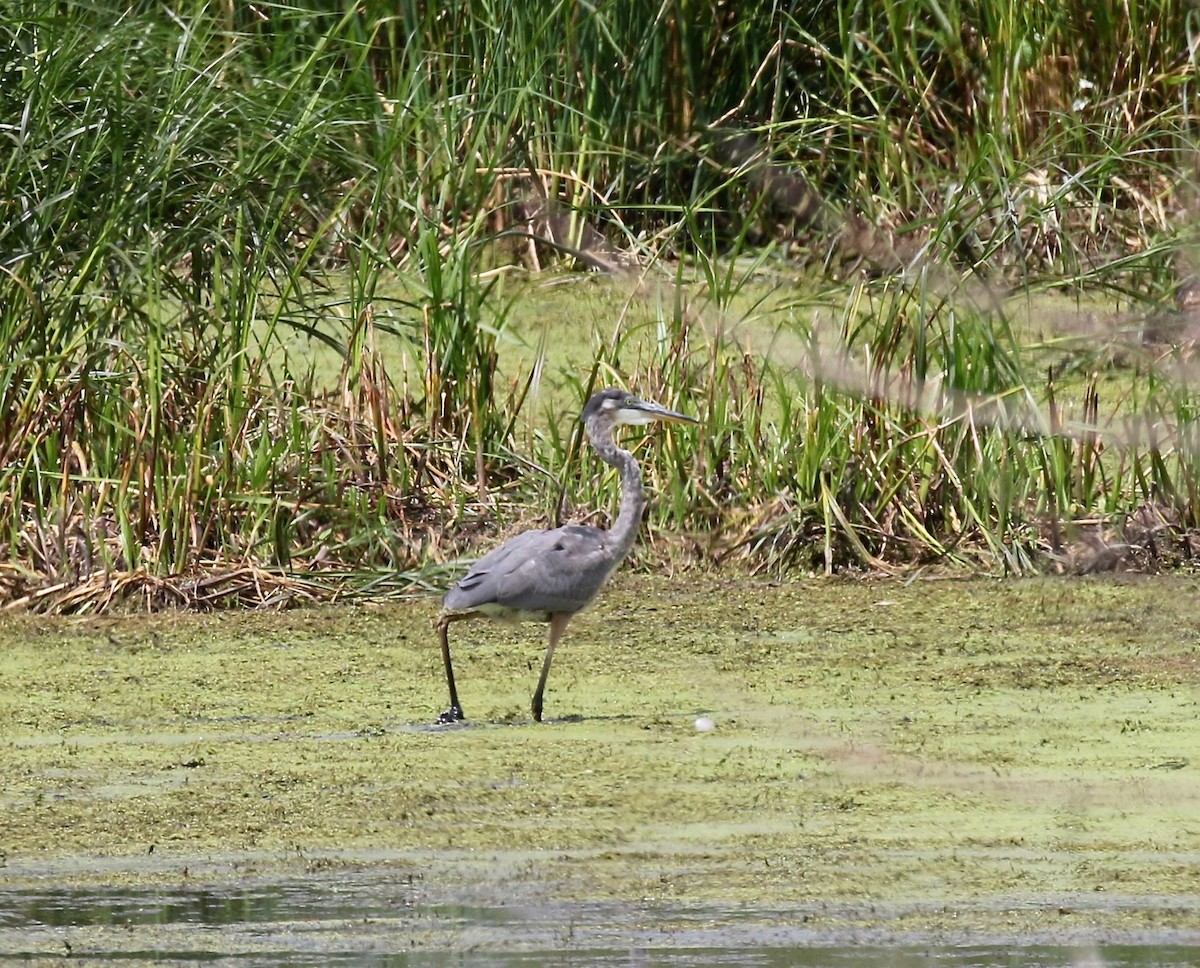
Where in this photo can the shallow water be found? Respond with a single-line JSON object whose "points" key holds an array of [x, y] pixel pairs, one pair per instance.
{"points": [[938, 772], [370, 919]]}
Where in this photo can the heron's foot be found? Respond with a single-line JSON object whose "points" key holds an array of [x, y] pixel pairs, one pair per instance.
{"points": [[536, 708], [452, 715]]}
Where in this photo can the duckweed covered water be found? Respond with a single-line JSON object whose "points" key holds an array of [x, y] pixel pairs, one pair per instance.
{"points": [[932, 763]]}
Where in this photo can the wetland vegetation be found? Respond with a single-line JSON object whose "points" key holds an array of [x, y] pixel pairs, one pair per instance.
{"points": [[286, 293], [299, 302]]}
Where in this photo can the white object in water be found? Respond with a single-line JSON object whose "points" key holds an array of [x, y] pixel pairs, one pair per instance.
{"points": [[705, 725]]}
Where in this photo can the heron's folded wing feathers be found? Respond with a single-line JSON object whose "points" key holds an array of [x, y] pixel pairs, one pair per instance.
{"points": [[539, 571]]}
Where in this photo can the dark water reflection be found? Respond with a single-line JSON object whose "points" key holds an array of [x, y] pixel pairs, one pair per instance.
{"points": [[382, 923], [79, 908]]}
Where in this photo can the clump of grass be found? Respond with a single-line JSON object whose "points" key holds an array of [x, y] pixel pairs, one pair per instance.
{"points": [[167, 216], [189, 194]]}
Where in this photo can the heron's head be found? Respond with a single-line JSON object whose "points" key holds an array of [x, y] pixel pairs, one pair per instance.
{"points": [[615, 407]]}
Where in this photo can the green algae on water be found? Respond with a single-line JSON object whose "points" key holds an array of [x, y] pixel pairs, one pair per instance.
{"points": [[984, 744]]}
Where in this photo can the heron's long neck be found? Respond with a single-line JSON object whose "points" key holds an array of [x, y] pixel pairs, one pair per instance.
{"points": [[633, 498]]}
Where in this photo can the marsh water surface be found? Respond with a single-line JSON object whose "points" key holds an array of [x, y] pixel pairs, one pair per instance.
{"points": [[373, 919], [898, 768]]}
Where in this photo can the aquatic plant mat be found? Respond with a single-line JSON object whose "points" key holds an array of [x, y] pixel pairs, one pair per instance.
{"points": [[924, 762]]}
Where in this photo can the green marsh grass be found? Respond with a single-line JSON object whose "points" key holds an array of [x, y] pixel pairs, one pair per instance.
{"points": [[204, 207]]}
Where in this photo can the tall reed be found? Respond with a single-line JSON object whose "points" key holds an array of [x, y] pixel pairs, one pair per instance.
{"points": [[192, 196]]}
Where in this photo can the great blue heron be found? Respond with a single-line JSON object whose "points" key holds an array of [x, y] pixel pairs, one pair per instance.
{"points": [[548, 576]]}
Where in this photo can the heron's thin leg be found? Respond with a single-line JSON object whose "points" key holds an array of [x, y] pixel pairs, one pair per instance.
{"points": [[558, 625], [454, 713]]}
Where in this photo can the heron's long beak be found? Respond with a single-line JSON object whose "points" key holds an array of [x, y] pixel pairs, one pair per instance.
{"points": [[653, 411]]}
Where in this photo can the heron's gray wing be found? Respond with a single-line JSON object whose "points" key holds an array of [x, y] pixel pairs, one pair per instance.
{"points": [[538, 571]]}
